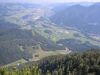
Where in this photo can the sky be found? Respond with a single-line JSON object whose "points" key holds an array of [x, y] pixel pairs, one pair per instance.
{"points": [[48, 1]]}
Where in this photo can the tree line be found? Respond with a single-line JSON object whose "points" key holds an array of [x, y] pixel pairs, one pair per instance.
{"points": [[87, 63]]}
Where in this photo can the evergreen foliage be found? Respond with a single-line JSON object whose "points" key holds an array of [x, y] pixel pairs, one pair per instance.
{"points": [[87, 63]]}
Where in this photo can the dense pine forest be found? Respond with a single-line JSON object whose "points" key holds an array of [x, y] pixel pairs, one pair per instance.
{"points": [[87, 63]]}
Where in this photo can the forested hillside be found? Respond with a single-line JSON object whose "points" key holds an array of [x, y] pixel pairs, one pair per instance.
{"points": [[84, 18], [87, 63]]}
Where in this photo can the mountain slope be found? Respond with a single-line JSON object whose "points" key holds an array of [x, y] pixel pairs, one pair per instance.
{"points": [[25, 27], [84, 18]]}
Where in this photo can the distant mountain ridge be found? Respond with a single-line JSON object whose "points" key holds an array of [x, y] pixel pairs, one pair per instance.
{"points": [[80, 17]]}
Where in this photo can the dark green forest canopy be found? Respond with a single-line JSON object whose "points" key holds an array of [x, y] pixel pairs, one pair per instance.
{"points": [[87, 63]]}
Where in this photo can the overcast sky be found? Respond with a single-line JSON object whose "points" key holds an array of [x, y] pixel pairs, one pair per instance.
{"points": [[48, 1]]}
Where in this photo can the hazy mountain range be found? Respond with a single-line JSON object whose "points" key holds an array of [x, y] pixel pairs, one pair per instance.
{"points": [[25, 28]]}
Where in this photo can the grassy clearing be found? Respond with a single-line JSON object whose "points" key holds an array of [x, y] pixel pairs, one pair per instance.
{"points": [[21, 61]]}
